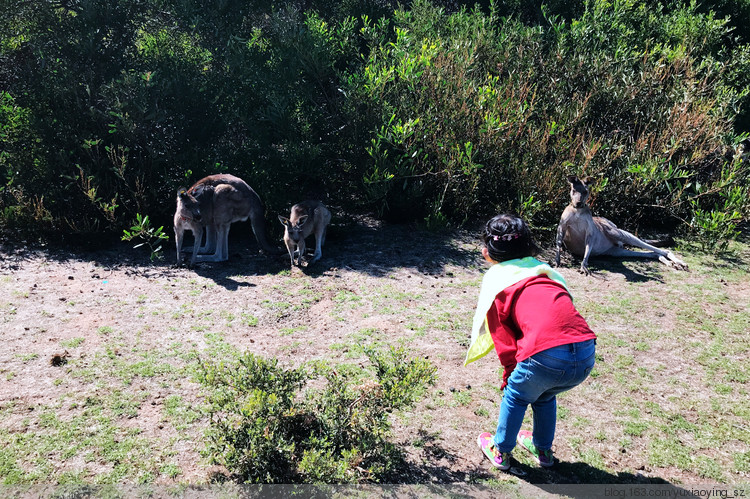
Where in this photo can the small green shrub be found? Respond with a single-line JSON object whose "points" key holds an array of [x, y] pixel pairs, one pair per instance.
{"points": [[719, 208], [150, 236], [269, 426]]}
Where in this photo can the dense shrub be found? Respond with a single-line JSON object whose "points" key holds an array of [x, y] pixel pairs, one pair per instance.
{"points": [[431, 111], [312, 424], [487, 113]]}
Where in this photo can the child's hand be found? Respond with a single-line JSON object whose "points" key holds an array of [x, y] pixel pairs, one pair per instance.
{"points": [[507, 371]]}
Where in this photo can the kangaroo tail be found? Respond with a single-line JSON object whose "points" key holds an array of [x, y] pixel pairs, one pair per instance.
{"points": [[258, 223]]}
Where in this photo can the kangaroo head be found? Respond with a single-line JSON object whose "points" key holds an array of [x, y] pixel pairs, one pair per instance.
{"points": [[579, 190], [293, 227], [188, 207]]}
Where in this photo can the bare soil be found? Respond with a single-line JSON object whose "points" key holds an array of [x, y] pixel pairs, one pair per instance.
{"points": [[376, 283]]}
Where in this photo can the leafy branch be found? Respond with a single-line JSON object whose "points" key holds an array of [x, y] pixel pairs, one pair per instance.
{"points": [[150, 236]]}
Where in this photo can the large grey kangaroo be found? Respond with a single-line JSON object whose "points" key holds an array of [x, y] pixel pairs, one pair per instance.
{"points": [[306, 218], [214, 203], [585, 235]]}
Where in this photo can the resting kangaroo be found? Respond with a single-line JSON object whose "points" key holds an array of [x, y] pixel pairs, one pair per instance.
{"points": [[306, 218], [585, 235], [215, 202]]}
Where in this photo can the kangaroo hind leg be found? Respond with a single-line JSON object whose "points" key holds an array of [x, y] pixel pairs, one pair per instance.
{"points": [[626, 238], [221, 253]]}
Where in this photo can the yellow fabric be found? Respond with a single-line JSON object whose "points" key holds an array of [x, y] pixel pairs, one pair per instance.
{"points": [[497, 278]]}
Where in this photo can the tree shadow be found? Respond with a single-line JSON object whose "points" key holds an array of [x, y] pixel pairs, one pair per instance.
{"points": [[728, 259], [355, 243], [107, 253], [377, 248]]}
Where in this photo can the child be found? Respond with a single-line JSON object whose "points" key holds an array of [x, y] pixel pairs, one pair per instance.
{"points": [[525, 312]]}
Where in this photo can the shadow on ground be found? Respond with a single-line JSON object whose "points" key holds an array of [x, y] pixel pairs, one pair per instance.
{"points": [[577, 480], [359, 244], [632, 269]]}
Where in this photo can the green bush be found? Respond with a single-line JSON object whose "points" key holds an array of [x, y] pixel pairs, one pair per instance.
{"points": [[19, 146], [483, 113], [315, 423], [727, 202], [416, 112]]}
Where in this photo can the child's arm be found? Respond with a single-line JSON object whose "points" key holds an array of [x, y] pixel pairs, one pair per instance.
{"points": [[505, 342], [506, 350], [507, 371]]}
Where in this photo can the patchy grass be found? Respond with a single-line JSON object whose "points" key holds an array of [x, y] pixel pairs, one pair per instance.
{"points": [[675, 375], [666, 402]]}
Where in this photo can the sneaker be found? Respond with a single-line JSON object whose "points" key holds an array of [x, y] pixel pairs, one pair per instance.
{"points": [[500, 460], [543, 457]]}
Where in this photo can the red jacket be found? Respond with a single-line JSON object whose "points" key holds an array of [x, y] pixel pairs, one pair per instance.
{"points": [[531, 316]]}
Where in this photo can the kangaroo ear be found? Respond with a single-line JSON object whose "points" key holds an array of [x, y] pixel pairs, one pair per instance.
{"points": [[283, 220], [572, 179], [182, 192], [587, 180], [301, 221]]}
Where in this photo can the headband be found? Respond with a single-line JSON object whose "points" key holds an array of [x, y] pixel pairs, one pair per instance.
{"points": [[506, 237]]}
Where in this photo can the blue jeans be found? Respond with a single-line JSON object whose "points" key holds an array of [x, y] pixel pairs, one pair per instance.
{"points": [[536, 381]]}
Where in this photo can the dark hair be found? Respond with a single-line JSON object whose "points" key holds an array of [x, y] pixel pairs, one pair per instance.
{"points": [[508, 237]]}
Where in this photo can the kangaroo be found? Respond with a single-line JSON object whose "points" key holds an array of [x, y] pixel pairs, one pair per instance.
{"points": [[585, 235], [214, 203], [306, 218], [188, 216]]}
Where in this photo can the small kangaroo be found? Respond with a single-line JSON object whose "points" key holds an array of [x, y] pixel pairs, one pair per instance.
{"points": [[306, 218], [585, 235], [188, 216]]}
